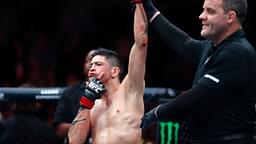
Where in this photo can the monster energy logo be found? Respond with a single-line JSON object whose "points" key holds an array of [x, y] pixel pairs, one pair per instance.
{"points": [[169, 132]]}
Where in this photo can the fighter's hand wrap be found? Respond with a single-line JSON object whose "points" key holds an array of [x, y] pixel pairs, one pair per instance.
{"points": [[93, 90], [149, 118]]}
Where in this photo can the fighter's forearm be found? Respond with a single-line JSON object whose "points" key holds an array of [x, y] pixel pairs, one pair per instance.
{"points": [[140, 26], [79, 130]]}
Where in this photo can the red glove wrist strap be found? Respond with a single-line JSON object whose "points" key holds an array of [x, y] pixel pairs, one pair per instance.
{"points": [[85, 102]]}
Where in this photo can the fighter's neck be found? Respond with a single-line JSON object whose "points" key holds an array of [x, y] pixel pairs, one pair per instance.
{"points": [[111, 90]]}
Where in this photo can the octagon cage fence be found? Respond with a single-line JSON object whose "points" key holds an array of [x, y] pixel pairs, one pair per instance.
{"points": [[37, 128]]}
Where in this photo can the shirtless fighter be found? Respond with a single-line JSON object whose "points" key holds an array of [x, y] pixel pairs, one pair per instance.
{"points": [[112, 109]]}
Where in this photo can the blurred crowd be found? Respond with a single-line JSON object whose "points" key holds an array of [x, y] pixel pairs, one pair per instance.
{"points": [[43, 43], [34, 58]]}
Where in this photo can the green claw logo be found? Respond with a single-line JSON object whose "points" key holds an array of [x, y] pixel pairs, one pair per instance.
{"points": [[169, 132]]}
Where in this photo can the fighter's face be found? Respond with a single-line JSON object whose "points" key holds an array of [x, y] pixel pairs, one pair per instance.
{"points": [[99, 68], [214, 20]]}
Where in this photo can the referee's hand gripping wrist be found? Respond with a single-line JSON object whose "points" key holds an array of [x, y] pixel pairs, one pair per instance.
{"points": [[149, 7]]}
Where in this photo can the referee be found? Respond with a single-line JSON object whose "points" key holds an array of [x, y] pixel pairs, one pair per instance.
{"points": [[220, 106]]}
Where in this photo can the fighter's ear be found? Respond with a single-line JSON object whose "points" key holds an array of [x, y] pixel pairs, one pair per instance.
{"points": [[115, 71]]}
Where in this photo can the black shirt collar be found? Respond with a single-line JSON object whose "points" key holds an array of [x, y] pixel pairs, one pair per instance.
{"points": [[236, 35]]}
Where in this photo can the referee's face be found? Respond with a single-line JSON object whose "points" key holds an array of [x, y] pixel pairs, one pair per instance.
{"points": [[214, 21]]}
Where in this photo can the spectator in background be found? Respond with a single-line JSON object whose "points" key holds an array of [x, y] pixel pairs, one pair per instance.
{"points": [[68, 104], [42, 58], [25, 127]]}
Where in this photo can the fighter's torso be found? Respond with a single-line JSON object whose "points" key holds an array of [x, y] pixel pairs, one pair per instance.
{"points": [[116, 122]]}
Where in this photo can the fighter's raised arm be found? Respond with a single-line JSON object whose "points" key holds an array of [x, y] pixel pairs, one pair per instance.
{"points": [[137, 59]]}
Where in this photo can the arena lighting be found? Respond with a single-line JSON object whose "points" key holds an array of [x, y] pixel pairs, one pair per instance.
{"points": [[54, 93]]}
